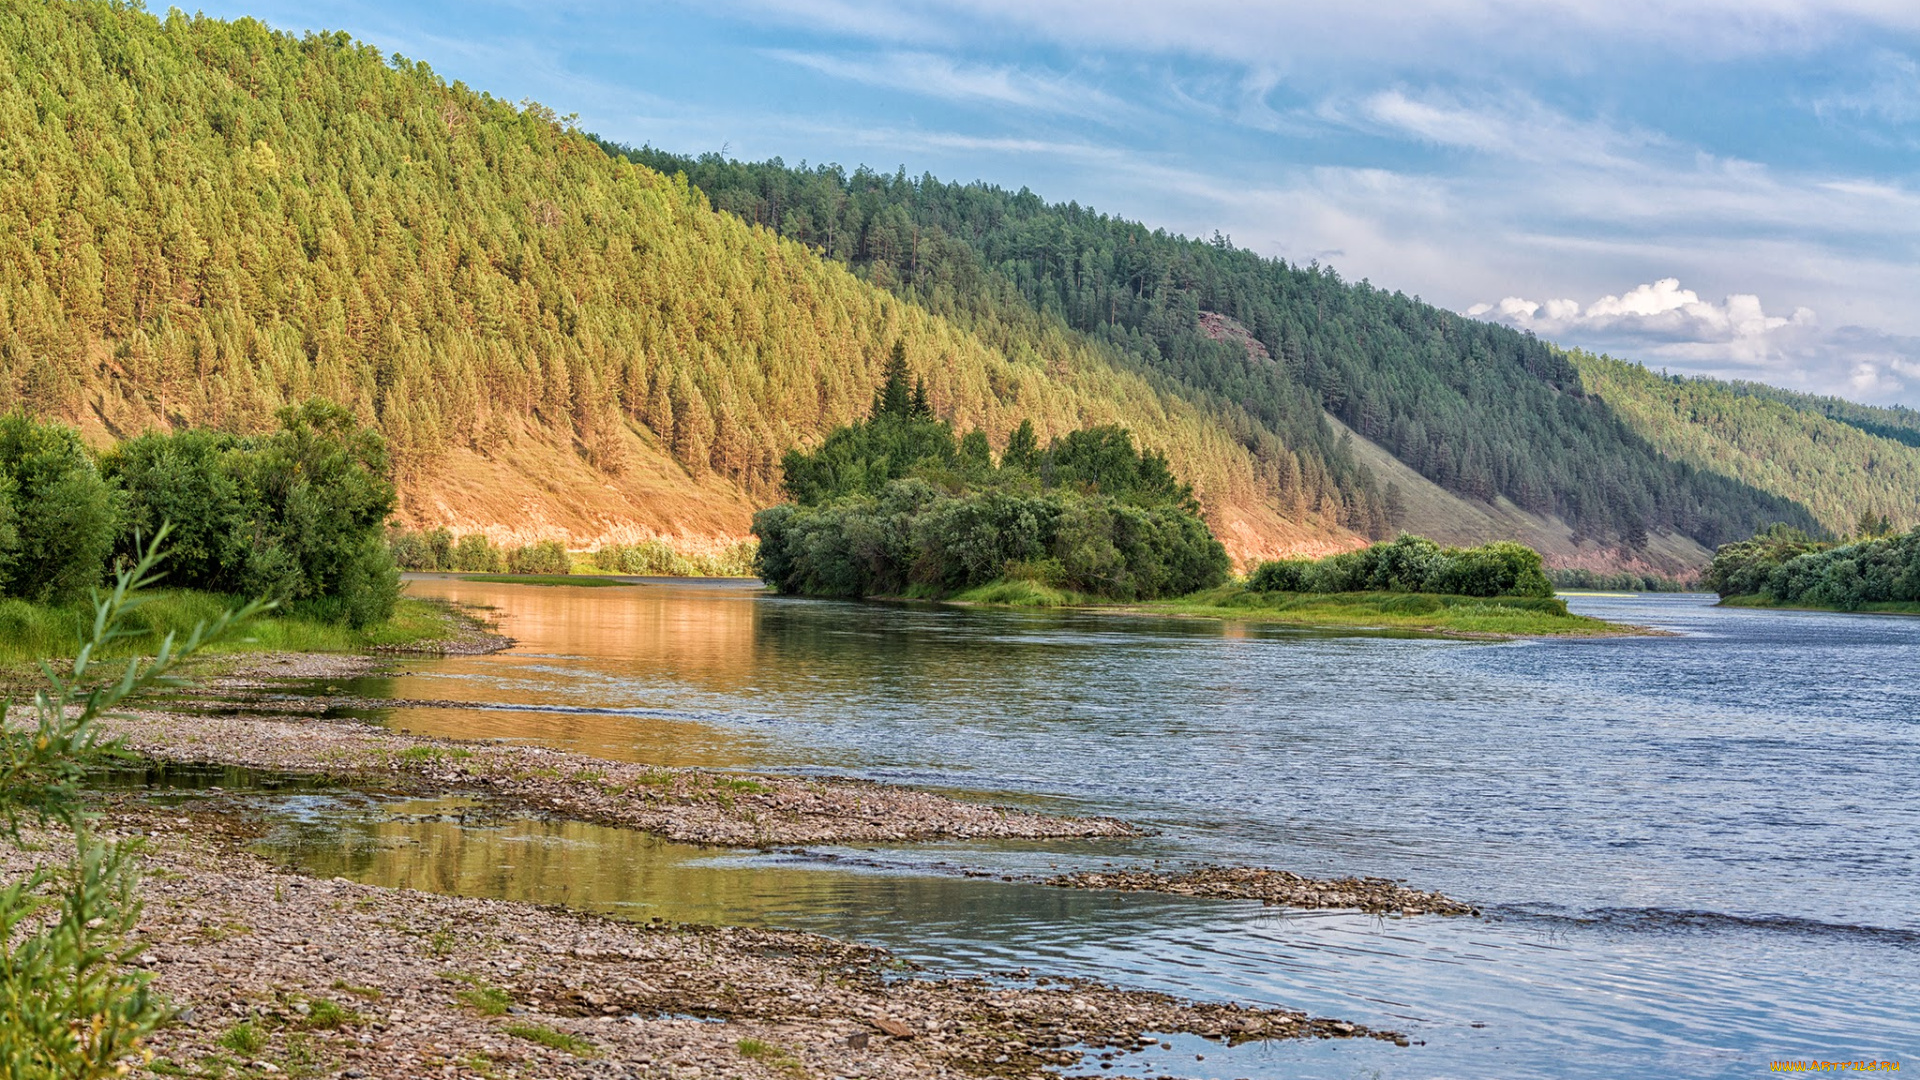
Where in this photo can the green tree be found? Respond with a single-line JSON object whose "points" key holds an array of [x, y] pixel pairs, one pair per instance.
{"points": [[63, 516]]}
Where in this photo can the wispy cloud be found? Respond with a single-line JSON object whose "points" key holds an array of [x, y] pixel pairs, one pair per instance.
{"points": [[938, 76], [1890, 91]]}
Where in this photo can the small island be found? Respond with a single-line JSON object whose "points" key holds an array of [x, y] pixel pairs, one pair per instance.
{"points": [[898, 506]]}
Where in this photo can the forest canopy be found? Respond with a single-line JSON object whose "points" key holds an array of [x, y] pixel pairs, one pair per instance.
{"points": [[895, 504], [208, 220], [1480, 409]]}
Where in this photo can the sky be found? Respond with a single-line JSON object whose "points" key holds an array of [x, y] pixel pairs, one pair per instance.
{"points": [[1721, 187]]}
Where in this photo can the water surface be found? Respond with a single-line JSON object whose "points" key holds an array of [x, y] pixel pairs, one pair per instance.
{"points": [[1697, 852]]}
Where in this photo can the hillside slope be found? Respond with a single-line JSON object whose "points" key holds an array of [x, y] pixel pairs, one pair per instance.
{"points": [[1839, 459], [1427, 509], [1481, 410], [205, 220]]}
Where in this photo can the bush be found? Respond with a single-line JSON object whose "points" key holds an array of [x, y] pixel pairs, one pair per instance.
{"points": [[75, 1006], [1412, 564], [1785, 567], [544, 557], [655, 558], [297, 515], [59, 518], [1280, 575], [914, 538], [475, 553]]}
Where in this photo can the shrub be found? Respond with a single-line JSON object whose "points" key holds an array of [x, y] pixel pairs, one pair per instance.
{"points": [[74, 1006], [60, 517], [297, 515], [1412, 564], [544, 557], [478, 554], [1280, 575], [1786, 567]]}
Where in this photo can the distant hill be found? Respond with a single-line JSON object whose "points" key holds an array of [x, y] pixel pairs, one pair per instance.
{"points": [[1484, 412], [201, 220], [205, 220], [1837, 458]]}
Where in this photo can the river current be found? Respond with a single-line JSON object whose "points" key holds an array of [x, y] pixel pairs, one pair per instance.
{"points": [[1695, 853]]}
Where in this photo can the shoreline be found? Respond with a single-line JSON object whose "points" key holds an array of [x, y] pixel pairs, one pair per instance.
{"points": [[686, 805], [270, 967], [351, 980], [1755, 602]]}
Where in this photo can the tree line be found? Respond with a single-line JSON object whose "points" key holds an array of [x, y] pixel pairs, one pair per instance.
{"points": [[207, 220], [1480, 409], [897, 504], [1786, 566], [295, 516]]}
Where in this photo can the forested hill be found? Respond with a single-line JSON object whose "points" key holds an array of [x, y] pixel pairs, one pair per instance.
{"points": [[203, 220], [1841, 460], [1481, 410]]}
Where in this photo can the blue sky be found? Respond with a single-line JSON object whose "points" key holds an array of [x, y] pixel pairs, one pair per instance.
{"points": [[1730, 187]]}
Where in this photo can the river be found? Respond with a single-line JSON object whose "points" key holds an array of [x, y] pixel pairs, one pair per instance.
{"points": [[1695, 853]]}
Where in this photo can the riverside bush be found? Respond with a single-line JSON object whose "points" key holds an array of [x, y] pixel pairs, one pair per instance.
{"points": [[895, 505], [296, 515], [75, 1009], [1784, 566], [58, 516], [655, 558], [1411, 564], [542, 557]]}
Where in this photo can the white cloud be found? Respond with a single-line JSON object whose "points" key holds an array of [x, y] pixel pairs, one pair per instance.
{"points": [[1663, 323], [1663, 316]]}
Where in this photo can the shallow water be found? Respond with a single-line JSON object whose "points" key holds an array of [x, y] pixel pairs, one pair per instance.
{"points": [[1696, 853]]}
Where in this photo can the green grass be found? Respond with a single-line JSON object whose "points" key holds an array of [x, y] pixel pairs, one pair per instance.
{"points": [[767, 1054], [589, 581], [556, 1040], [1881, 607], [31, 632], [244, 1038], [1020, 592], [324, 1015], [1426, 613], [1419, 613]]}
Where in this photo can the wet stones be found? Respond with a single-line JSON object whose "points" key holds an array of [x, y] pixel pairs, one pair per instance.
{"points": [[1376, 896]]}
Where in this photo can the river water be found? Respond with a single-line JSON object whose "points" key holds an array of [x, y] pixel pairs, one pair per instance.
{"points": [[1695, 853]]}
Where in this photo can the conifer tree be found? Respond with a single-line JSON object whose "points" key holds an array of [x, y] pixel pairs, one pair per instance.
{"points": [[895, 398]]}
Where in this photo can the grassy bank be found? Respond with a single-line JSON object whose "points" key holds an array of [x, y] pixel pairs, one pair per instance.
{"points": [[1500, 616], [30, 632], [1885, 607], [1425, 613], [583, 580]]}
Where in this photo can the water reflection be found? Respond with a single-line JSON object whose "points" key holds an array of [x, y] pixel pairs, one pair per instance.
{"points": [[1506, 994], [1685, 836]]}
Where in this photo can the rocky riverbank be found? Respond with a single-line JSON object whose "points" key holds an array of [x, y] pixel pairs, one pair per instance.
{"points": [[1378, 896], [277, 973], [689, 805]]}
